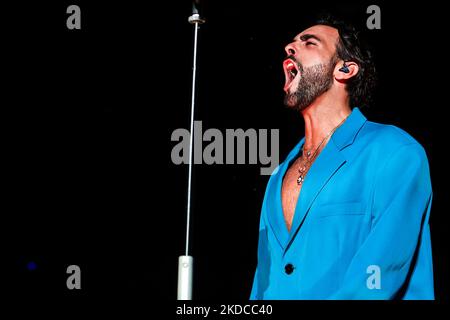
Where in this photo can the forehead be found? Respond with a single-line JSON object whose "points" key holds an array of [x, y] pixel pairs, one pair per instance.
{"points": [[327, 34]]}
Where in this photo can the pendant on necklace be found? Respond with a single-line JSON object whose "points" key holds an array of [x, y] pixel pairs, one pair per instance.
{"points": [[300, 179]]}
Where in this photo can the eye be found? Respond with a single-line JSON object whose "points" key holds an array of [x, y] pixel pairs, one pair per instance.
{"points": [[309, 43]]}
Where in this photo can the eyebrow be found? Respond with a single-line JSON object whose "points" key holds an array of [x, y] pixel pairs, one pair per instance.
{"points": [[306, 37]]}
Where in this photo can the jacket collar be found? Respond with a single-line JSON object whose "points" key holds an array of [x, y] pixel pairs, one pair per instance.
{"points": [[329, 161], [346, 134]]}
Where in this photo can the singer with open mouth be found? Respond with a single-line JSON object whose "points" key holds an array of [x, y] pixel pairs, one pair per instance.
{"points": [[346, 215]]}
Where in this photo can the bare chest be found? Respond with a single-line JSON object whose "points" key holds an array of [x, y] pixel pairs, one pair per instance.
{"points": [[290, 192]]}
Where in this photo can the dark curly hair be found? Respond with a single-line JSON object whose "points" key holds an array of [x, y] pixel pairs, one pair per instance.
{"points": [[351, 47]]}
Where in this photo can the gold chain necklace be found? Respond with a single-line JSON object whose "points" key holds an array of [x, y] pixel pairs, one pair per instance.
{"points": [[307, 161]]}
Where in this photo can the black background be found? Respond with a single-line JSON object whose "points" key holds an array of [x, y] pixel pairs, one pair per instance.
{"points": [[87, 118]]}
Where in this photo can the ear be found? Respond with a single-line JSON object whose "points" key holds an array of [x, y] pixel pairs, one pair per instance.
{"points": [[341, 76]]}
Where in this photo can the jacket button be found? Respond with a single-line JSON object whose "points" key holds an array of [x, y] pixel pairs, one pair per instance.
{"points": [[289, 268]]}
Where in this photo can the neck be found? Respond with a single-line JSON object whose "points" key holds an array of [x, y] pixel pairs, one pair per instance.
{"points": [[321, 117]]}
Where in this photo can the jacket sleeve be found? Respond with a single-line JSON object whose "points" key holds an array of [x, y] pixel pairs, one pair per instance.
{"points": [[396, 256]]}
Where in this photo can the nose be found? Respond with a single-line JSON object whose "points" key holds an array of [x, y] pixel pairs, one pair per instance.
{"points": [[290, 50]]}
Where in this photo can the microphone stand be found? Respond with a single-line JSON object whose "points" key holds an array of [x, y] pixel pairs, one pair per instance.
{"points": [[186, 262]]}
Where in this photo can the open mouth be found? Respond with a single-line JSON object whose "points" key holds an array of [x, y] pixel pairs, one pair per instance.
{"points": [[290, 71]]}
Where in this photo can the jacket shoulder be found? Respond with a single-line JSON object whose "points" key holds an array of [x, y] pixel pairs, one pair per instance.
{"points": [[389, 137]]}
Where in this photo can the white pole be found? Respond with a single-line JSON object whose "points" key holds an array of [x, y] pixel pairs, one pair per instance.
{"points": [[186, 262], [185, 269]]}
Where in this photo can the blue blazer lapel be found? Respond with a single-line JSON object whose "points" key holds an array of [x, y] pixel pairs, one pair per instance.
{"points": [[273, 204], [324, 167], [329, 161]]}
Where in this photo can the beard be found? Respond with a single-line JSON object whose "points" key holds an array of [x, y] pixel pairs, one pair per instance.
{"points": [[314, 81]]}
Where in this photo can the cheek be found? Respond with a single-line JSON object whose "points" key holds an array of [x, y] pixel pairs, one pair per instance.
{"points": [[313, 58]]}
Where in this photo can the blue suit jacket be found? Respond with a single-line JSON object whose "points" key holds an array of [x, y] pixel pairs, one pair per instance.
{"points": [[360, 229]]}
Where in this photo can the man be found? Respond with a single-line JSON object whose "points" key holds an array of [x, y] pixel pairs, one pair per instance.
{"points": [[345, 216]]}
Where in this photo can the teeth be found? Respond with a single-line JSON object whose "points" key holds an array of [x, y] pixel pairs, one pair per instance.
{"points": [[290, 67]]}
